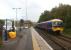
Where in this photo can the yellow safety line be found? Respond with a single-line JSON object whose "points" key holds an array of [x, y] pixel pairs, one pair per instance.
{"points": [[35, 44]]}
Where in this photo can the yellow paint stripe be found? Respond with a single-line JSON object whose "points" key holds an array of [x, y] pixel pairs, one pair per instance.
{"points": [[35, 44]]}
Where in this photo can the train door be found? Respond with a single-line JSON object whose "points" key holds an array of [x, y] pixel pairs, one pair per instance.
{"points": [[49, 26]]}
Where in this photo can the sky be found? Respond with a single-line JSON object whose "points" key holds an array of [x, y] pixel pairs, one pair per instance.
{"points": [[34, 8]]}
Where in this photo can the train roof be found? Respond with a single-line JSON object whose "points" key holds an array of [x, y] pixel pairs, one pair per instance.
{"points": [[53, 20], [56, 20], [44, 22]]}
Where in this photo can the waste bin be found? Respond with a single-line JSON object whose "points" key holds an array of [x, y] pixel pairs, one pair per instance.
{"points": [[12, 35]]}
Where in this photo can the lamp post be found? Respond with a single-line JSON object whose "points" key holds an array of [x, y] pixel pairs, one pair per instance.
{"points": [[16, 14], [26, 5]]}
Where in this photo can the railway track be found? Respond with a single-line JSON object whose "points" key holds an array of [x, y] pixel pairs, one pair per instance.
{"points": [[65, 38], [62, 42], [55, 46]]}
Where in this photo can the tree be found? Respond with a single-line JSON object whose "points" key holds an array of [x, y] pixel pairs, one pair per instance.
{"points": [[63, 12], [2, 22], [44, 16]]}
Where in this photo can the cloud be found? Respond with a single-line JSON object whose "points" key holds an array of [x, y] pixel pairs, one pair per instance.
{"points": [[34, 8]]}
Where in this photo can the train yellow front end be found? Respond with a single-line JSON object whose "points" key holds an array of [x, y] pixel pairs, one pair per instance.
{"points": [[57, 26], [58, 29]]}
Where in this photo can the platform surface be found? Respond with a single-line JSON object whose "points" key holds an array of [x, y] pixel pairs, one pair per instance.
{"points": [[27, 39]]}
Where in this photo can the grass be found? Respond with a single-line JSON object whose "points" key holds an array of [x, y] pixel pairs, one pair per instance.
{"points": [[67, 32], [1, 46]]}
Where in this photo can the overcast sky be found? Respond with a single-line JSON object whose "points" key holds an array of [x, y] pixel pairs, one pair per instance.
{"points": [[34, 8]]}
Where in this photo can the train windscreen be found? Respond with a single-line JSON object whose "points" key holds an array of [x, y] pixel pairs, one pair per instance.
{"points": [[58, 24]]}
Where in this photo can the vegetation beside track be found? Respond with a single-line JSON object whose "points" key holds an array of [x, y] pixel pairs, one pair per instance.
{"points": [[67, 32]]}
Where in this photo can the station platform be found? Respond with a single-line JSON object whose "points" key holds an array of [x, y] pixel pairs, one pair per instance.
{"points": [[38, 42]]}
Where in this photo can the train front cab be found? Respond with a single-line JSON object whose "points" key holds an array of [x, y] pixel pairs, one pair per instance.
{"points": [[57, 27]]}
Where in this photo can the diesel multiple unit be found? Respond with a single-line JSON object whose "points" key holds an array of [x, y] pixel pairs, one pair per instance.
{"points": [[54, 25]]}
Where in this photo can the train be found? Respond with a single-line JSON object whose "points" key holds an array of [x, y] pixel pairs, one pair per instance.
{"points": [[52, 26]]}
